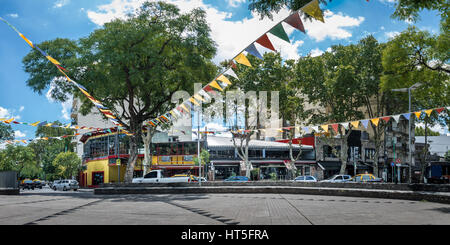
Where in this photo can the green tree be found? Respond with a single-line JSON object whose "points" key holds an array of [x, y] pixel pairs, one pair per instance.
{"points": [[6, 132], [67, 164], [447, 156], [266, 8], [419, 131], [20, 159], [132, 66], [343, 83]]}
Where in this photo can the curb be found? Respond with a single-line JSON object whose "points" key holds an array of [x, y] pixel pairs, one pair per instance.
{"points": [[439, 197]]}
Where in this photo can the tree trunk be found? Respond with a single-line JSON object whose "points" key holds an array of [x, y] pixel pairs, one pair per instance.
{"points": [[344, 151], [424, 159], [147, 137]]}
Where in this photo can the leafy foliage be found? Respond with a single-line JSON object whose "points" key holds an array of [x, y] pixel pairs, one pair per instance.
{"points": [[67, 164]]}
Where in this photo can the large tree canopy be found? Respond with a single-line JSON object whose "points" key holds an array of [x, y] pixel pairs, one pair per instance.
{"points": [[132, 66]]}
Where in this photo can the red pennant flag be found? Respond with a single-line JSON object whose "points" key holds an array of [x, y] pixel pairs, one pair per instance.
{"points": [[265, 42], [439, 110], [335, 127], [295, 21], [386, 119], [209, 89], [233, 65]]}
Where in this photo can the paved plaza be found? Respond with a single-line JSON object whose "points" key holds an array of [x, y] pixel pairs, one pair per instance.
{"points": [[45, 207]]}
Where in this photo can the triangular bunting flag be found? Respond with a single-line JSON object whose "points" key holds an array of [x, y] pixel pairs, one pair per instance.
{"points": [[305, 129], [375, 121], [386, 119], [241, 59], [313, 10], [345, 125], [396, 118], [295, 21], [199, 98], [335, 127], [365, 123], [439, 110], [278, 31], [406, 115], [265, 42], [355, 124], [428, 112], [251, 49], [224, 79], [231, 73], [315, 128], [214, 84], [324, 127], [210, 90], [193, 101], [417, 113]]}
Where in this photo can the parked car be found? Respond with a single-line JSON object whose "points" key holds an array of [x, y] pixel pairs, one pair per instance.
{"points": [[202, 178], [237, 179], [307, 178], [338, 178], [192, 177], [38, 183], [65, 185], [27, 184], [366, 178], [156, 176]]}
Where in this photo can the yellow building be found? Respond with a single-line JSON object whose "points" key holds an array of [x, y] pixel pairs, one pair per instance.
{"points": [[104, 158]]}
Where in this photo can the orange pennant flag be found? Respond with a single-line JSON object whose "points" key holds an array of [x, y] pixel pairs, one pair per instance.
{"points": [[375, 121], [324, 127], [417, 113]]}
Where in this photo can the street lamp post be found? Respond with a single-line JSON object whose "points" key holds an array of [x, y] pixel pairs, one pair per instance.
{"points": [[414, 86]]}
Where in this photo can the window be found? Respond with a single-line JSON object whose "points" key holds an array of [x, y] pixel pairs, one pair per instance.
{"points": [[346, 177], [370, 154], [300, 178], [338, 177], [365, 177], [151, 175], [309, 178]]}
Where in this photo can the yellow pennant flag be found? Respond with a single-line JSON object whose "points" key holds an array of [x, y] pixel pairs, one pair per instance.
{"points": [[417, 113], [35, 124], [26, 40], [324, 127], [242, 60], [53, 60], [199, 98], [193, 101], [224, 79], [375, 121], [313, 9], [48, 124], [184, 107], [9, 120], [355, 124], [428, 112], [173, 114], [215, 85]]}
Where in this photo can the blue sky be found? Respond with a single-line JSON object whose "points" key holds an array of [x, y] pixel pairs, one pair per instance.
{"points": [[233, 28]]}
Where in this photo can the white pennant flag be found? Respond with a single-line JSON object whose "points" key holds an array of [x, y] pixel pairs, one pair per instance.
{"points": [[345, 125], [315, 128], [396, 118], [231, 73]]}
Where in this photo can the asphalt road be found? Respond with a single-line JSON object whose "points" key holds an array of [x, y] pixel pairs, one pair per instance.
{"points": [[44, 207]]}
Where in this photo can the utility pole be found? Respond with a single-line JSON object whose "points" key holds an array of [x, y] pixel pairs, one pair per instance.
{"points": [[198, 149]]}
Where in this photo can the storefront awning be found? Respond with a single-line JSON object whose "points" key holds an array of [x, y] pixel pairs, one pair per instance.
{"points": [[330, 165]]}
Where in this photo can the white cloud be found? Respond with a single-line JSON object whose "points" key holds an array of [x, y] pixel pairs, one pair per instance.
{"points": [[14, 15], [436, 128], [7, 113], [333, 27], [235, 3], [66, 106], [60, 3], [21, 108], [233, 36], [19, 134], [316, 52], [391, 34]]}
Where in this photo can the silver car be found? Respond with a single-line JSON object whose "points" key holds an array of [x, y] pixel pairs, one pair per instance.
{"points": [[339, 178], [307, 178], [65, 185]]}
